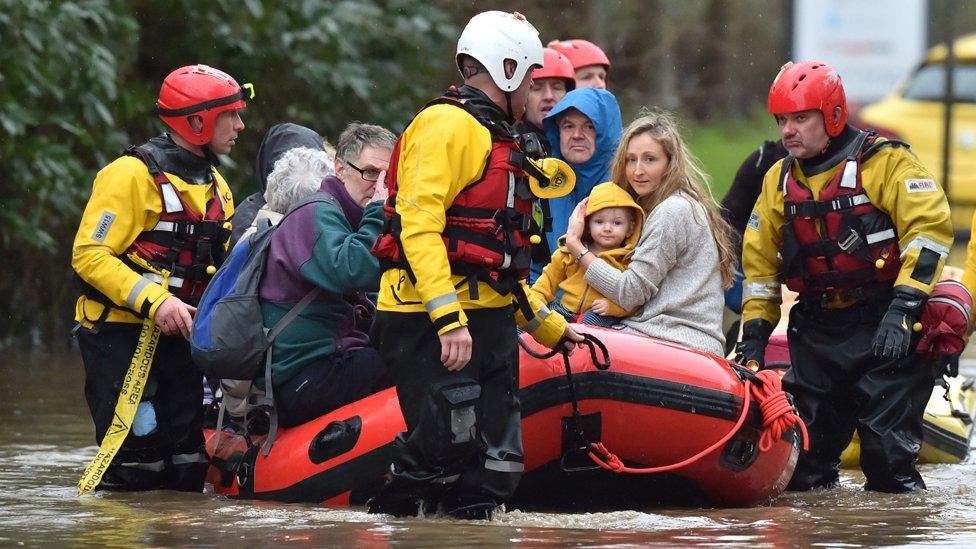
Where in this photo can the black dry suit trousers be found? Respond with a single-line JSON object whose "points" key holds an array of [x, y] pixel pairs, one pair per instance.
{"points": [[463, 428], [839, 386], [164, 448]]}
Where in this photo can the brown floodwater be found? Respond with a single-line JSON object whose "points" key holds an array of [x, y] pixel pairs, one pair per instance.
{"points": [[47, 440]]}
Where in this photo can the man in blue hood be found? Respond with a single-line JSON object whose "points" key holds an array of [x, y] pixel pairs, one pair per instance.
{"points": [[584, 129]]}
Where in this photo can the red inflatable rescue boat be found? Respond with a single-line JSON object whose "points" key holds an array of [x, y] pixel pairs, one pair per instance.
{"points": [[672, 421]]}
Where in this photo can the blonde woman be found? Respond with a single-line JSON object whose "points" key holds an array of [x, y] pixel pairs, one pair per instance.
{"points": [[684, 257]]}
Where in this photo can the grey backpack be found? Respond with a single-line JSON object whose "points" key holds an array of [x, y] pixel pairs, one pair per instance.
{"points": [[229, 340]]}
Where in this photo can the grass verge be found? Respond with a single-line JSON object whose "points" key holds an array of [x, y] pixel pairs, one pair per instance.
{"points": [[721, 146]]}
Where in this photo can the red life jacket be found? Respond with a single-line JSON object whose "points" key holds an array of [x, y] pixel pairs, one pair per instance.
{"points": [[489, 224], [841, 241], [183, 242]]}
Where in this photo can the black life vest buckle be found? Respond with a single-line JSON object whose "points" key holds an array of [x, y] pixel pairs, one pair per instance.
{"points": [[518, 221], [208, 228], [166, 260]]}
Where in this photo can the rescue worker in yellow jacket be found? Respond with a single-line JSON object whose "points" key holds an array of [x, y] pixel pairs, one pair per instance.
{"points": [[858, 227], [161, 208], [456, 252], [613, 226]]}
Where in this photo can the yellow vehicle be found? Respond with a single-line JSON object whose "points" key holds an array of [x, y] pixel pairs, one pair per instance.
{"points": [[914, 112], [947, 430]]}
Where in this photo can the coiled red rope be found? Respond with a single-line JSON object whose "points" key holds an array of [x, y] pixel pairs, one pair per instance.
{"points": [[778, 414]]}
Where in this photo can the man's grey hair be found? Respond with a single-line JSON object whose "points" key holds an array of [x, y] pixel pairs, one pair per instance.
{"points": [[296, 176], [357, 136]]}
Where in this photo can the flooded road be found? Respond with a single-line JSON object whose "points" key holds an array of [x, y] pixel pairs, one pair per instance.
{"points": [[47, 440]]}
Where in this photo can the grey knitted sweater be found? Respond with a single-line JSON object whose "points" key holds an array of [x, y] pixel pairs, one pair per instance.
{"points": [[673, 280]]}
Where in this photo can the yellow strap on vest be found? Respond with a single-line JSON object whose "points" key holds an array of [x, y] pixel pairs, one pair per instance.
{"points": [[125, 409]]}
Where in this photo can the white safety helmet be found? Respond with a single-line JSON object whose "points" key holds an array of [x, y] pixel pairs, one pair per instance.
{"points": [[491, 37]]}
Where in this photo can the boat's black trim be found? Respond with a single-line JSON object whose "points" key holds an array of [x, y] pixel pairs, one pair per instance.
{"points": [[945, 440], [609, 385], [359, 472]]}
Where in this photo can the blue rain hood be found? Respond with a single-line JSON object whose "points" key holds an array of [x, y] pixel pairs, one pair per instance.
{"points": [[601, 107]]}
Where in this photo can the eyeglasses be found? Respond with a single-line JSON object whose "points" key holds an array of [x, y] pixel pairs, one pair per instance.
{"points": [[369, 174]]}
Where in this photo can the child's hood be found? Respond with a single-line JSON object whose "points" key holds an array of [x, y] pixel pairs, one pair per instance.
{"points": [[611, 195]]}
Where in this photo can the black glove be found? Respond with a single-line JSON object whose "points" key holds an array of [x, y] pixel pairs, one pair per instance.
{"points": [[752, 346], [894, 335], [949, 365]]}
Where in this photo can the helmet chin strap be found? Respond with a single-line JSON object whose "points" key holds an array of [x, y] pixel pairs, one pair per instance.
{"points": [[209, 155], [508, 103]]}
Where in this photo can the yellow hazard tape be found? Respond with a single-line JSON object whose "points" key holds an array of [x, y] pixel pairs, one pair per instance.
{"points": [[125, 409]]}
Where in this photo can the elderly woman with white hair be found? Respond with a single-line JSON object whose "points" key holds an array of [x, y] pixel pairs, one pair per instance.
{"points": [[296, 176], [322, 359]]}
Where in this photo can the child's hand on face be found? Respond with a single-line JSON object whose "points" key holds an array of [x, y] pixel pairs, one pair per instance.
{"points": [[600, 306]]}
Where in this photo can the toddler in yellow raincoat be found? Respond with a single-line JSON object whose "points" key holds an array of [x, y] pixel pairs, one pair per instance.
{"points": [[613, 222]]}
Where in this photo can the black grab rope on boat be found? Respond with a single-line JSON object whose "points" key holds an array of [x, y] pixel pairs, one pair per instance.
{"points": [[590, 341], [582, 444]]}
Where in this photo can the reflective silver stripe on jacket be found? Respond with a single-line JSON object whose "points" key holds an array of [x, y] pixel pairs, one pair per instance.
{"points": [[171, 200], [921, 241], [182, 459], [155, 466], [849, 179], [880, 235], [540, 315], [174, 281], [134, 292], [786, 175], [440, 301], [169, 226], [763, 290], [504, 466], [510, 202]]}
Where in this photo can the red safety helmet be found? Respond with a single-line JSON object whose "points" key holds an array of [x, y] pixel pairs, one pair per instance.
{"points": [[806, 86], [581, 53], [556, 65], [202, 91], [945, 320]]}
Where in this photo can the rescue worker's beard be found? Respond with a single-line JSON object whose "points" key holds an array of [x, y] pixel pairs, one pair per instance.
{"points": [[508, 103]]}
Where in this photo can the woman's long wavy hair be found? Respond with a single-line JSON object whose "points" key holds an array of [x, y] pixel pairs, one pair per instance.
{"points": [[683, 174]]}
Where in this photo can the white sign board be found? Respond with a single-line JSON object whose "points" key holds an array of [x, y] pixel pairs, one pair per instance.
{"points": [[873, 44]]}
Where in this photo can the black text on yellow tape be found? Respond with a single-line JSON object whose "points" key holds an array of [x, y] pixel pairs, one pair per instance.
{"points": [[125, 409]]}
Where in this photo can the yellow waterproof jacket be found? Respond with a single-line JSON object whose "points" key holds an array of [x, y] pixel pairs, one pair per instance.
{"points": [[442, 151], [125, 201], [564, 273], [920, 215]]}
